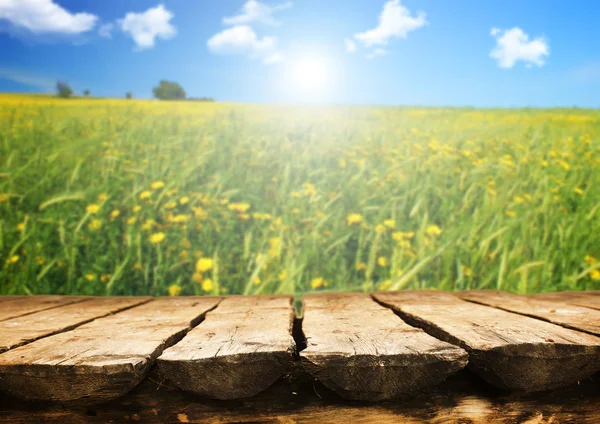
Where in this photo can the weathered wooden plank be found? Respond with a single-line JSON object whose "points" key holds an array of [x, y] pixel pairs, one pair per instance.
{"points": [[25, 329], [571, 316], [459, 399], [365, 352], [585, 299], [241, 348], [24, 305], [508, 350], [102, 359]]}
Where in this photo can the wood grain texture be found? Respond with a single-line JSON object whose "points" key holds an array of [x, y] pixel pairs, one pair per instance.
{"points": [[241, 348], [300, 400], [102, 359], [508, 350], [18, 306], [365, 352], [588, 299], [571, 316], [25, 329]]}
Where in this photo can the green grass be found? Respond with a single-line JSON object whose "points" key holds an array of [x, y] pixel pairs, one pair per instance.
{"points": [[294, 199]]}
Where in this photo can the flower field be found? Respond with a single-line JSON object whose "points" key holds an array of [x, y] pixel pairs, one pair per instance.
{"points": [[177, 198]]}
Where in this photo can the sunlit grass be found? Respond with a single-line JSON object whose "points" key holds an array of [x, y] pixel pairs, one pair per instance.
{"points": [[141, 197]]}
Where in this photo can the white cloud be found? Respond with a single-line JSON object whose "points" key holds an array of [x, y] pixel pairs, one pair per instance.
{"points": [[45, 16], [376, 53], [255, 11], [513, 45], [350, 45], [145, 27], [395, 21], [106, 30], [242, 39]]}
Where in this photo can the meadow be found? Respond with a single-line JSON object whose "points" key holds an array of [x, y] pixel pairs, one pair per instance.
{"points": [[115, 197]]}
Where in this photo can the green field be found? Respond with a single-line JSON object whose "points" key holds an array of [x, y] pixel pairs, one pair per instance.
{"points": [[141, 197]]}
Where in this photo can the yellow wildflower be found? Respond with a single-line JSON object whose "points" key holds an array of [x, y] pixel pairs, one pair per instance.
{"points": [[383, 261], [361, 266], [434, 230], [105, 277], [386, 285], [204, 264], [184, 200], [197, 277], [90, 276], [578, 191], [13, 259], [148, 224], [511, 213], [174, 290], [157, 238], [132, 220], [309, 189], [145, 194], [92, 208], [590, 260], [114, 214], [390, 223], [136, 209], [95, 224], [467, 272], [317, 283], [239, 207], [282, 275], [207, 285], [379, 229], [595, 274], [354, 218], [157, 185], [102, 197], [21, 226]]}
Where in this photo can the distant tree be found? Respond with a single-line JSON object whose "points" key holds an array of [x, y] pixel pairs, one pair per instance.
{"points": [[168, 90], [128, 95], [86, 93], [63, 89]]}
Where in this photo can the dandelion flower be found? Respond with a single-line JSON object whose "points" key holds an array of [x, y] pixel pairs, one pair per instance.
{"points": [[145, 194], [434, 230], [102, 197], [92, 208], [95, 224], [90, 276], [174, 290], [204, 264], [595, 274], [390, 223], [354, 218], [157, 185], [157, 238], [590, 259], [239, 207], [578, 191], [317, 283], [114, 214], [383, 261], [13, 259], [207, 285], [511, 213]]}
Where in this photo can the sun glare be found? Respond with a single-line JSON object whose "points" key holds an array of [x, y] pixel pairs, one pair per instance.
{"points": [[309, 79]]}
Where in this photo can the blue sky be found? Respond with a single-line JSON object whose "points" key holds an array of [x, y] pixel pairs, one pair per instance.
{"points": [[409, 52]]}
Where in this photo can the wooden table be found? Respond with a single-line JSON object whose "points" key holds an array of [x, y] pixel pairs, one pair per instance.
{"points": [[386, 357]]}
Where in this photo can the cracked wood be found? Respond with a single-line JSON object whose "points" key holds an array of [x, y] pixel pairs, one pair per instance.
{"points": [[571, 316], [364, 351], [18, 306], [102, 359], [25, 329], [587, 299], [508, 350], [242, 347]]}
